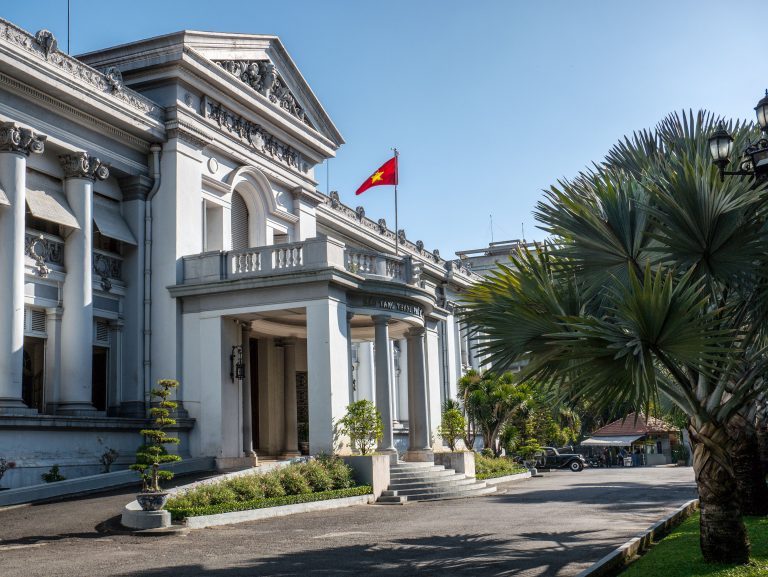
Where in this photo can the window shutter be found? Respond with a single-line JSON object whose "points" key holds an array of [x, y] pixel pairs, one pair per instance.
{"points": [[239, 222]]}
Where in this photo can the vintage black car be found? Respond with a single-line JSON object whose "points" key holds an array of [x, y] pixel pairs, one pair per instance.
{"points": [[551, 458]]}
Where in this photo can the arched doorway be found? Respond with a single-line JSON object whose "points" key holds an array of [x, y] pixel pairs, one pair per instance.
{"points": [[240, 222]]}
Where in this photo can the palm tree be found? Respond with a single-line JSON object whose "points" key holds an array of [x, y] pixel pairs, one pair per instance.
{"points": [[490, 400], [653, 284]]}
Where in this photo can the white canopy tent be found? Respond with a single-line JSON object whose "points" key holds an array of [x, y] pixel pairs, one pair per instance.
{"points": [[612, 441]]}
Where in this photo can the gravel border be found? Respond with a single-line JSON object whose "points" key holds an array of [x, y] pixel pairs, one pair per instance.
{"points": [[616, 561]]}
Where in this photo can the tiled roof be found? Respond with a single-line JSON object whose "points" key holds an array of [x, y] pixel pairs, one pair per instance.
{"points": [[630, 425]]}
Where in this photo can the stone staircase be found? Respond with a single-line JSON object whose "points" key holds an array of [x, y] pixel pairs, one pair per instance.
{"points": [[429, 482]]}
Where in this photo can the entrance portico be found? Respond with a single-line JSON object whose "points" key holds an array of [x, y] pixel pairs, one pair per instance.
{"points": [[261, 356]]}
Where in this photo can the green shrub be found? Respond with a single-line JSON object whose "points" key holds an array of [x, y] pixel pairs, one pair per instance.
{"points": [[53, 475], [318, 476], [489, 467], [452, 426], [180, 512], [340, 473], [271, 485], [362, 424], [293, 481], [247, 487]]}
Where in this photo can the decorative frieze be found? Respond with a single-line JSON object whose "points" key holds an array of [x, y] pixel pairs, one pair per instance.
{"points": [[262, 76], [108, 268], [255, 135], [45, 47], [81, 165], [14, 138]]}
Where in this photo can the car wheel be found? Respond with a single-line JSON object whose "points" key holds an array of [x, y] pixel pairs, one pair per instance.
{"points": [[576, 466]]}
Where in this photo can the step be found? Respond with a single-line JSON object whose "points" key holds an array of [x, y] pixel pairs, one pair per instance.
{"points": [[411, 466], [391, 500], [434, 490], [432, 483], [423, 475], [452, 494]]}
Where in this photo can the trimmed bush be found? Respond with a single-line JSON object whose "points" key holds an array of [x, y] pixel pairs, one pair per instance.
{"points": [[489, 467], [247, 487], [293, 481], [318, 476], [178, 512], [339, 471], [271, 485]]}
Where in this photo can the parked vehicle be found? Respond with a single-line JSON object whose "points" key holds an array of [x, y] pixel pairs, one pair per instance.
{"points": [[551, 458]]}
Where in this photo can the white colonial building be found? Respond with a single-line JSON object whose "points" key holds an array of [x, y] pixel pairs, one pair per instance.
{"points": [[159, 218]]}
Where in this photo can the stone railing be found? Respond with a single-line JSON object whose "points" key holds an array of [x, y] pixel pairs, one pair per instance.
{"points": [[368, 263], [315, 253]]}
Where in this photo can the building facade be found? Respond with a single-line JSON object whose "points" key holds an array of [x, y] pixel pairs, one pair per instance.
{"points": [[160, 218]]}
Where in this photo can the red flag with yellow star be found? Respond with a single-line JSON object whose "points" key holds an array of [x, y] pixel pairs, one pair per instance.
{"points": [[386, 174]]}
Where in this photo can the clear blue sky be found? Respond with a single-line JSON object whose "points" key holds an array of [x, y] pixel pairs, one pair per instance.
{"points": [[489, 102]]}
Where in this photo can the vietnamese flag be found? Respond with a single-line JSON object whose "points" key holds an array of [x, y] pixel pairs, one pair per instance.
{"points": [[386, 174]]}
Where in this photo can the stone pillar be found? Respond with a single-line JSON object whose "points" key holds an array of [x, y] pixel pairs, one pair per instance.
{"points": [[402, 381], [15, 145], [291, 433], [328, 368], [52, 357], [246, 396], [419, 445], [80, 171], [115, 385], [383, 382], [351, 377]]}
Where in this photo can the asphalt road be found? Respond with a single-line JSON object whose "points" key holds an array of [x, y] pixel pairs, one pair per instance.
{"points": [[554, 525]]}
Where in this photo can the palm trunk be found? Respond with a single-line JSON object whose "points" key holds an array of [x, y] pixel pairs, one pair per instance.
{"points": [[723, 535], [747, 468], [762, 439]]}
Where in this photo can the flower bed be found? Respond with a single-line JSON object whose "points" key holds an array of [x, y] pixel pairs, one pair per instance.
{"points": [[316, 480], [490, 468]]}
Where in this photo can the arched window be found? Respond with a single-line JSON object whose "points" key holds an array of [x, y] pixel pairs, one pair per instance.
{"points": [[240, 236]]}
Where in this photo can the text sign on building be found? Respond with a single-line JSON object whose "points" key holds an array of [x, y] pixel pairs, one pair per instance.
{"points": [[393, 305]]}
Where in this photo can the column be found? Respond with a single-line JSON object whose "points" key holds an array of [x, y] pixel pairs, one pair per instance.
{"points": [[419, 444], [383, 382], [80, 170], [53, 318], [351, 377], [115, 385], [291, 433], [402, 381], [247, 387], [15, 145], [328, 368]]}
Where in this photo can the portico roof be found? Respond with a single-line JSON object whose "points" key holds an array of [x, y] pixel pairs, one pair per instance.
{"points": [[611, 441]]}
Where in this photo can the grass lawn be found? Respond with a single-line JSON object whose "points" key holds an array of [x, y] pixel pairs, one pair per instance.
{"points": [[678, 555]]}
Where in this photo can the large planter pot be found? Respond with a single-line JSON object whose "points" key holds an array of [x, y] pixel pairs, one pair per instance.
{"points": [[459, 461], [370, 470], [152, 501]]}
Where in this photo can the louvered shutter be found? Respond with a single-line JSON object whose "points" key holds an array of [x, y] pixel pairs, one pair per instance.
{"points": [[239, 222]]}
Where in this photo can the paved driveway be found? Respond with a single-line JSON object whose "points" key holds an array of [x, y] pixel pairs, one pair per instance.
{"points": [[555, 525]]}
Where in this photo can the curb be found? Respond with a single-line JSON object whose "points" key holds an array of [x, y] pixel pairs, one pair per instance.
{"points": [[616, 561], [507, 478], [270, 512]]}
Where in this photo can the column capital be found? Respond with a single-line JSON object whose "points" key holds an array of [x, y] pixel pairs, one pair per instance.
{"points": [[381, 319], [81, 165], [14, 138], [415, 332]]}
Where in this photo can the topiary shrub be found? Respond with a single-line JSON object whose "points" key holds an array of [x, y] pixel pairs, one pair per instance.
{"points": [[339, 471], [362, 424], [293, 481], [452, 426], [247, 488]]}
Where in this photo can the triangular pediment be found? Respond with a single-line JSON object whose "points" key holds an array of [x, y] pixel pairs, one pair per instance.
{"points": [[261, 63]]}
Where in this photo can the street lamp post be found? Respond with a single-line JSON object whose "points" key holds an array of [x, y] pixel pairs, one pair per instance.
{"points": [[754, 158]]}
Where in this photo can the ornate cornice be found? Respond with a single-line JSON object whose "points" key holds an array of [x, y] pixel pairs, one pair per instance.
{"points": [[14, 138], [80, 165], [264, 79], [187, 132], [44, 46], [255, 135]]}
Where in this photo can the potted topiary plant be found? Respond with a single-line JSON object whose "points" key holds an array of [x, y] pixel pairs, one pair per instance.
{"points": [[153, 453], [451, 429], [362, 425]]}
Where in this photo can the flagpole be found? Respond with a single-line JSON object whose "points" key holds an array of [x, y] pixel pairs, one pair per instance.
{"points": [[397, 230]]}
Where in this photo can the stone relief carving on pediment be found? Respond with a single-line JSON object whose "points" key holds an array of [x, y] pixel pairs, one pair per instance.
{"points": [[262, 76], [255, 135]]}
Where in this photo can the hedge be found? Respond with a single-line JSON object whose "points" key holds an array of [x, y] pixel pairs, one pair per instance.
{"points": [[179, 514]]}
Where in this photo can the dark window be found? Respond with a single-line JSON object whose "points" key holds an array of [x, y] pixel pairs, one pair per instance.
{"points": [[33, 373], [33, 223], [100, 378]]}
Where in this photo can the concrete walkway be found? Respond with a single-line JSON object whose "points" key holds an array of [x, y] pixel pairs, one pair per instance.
{"points": [[554, 525]]}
